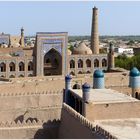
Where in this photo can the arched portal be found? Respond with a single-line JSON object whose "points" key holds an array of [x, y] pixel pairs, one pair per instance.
{"points": [[52, 63]]}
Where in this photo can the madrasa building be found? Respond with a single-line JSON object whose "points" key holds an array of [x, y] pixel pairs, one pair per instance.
{"points": [[50, 55]]}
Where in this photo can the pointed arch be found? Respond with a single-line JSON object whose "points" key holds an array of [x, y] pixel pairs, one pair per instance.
{"points": [[88, 63], [96, 63], [21, 66], [104, 62], [2, 67], [72, 64], [30, 66], [80, 63], [12, 66]]}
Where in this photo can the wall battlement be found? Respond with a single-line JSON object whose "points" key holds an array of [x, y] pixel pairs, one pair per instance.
{"points": [[94, 128], [24, 123], [32, 93]]}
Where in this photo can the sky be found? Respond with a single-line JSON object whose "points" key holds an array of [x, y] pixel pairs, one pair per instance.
{"points": [[115, 18]]}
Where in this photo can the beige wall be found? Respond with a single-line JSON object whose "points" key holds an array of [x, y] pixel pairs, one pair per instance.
{"points": [[29, 130], [113, 110], [75, 126], [41, 105]]}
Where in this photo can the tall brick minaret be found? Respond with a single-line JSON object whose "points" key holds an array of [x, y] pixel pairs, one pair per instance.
{"points": [[94, 32], [22, 37]]}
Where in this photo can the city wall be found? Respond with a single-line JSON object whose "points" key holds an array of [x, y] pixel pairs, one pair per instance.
{"points": [[113, 110], [29, 105], [72, 123], [29, 129]]}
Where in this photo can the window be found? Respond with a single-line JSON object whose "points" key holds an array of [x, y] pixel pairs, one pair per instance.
{"points": [[96, 63], [104, 63], [21, 66], [2, 67], [30, 66], [88, 63], [12, 66], [72, 64], [80, 63]]}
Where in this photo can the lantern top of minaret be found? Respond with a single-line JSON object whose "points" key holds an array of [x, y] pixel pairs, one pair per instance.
{"points": [[95, 8], [22, 29]]}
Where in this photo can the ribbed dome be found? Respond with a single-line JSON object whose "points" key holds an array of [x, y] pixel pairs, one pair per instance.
{"points": [[134, 72], [98, 74], [69, 52], [82, 49]]}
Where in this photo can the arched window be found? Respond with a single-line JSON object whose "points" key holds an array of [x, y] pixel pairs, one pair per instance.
{"points": [[30, 66], [2, 67], [72, 64], [96, 63], [80, 63], [12, 66], [104, 63], [21, 66], [88, 63]]}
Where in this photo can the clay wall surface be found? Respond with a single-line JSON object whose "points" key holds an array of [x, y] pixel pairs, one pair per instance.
{"points": [[30, 130], [24, 106], [74, 125], [113, 110]]}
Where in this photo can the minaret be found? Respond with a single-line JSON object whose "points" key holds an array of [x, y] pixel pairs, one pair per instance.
{"points": [[94, 32], [111, 57], [22, 37]]}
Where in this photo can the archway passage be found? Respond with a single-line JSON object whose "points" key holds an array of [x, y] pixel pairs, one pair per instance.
{"points": [[52, 63]]}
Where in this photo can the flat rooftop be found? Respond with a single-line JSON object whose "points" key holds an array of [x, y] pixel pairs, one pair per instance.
{"points": [[98, 96], [122, 128]]}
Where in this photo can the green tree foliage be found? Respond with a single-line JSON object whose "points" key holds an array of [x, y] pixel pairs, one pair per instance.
{"points": [[128, 63]]}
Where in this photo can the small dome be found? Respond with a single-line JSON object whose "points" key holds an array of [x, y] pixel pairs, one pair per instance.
{"points": [[82, 49], [68, 78], [85, 86], [69, 52], [134, 72], [98, 74]]}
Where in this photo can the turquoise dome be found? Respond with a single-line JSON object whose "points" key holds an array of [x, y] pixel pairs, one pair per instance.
{"points": [[98, 74], [134, 72]]}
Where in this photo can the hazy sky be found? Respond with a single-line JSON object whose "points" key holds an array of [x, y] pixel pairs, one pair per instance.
{"points": [[115, 18]]}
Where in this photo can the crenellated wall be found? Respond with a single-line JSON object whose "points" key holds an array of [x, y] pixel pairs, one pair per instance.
{"points": [[74, 125], [29, 129], [44, 105]]}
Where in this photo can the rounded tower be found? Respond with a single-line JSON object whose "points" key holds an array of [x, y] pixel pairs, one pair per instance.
{"points": [[67, 87], [98, 79], [94, 32], [111, 57], [134, 82], [86, 92]]}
